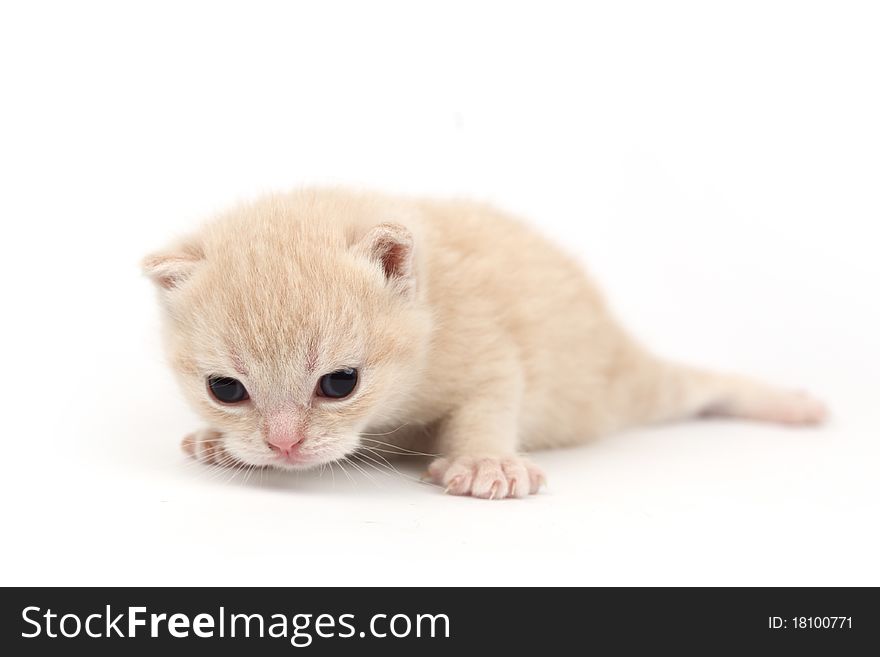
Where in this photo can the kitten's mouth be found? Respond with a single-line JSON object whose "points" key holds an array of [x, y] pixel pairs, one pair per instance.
{"points": [[299, 461], [295, 459]]}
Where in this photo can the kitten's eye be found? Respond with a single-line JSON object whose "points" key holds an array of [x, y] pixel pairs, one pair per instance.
{"points": [[338, 384], [227, 390]]}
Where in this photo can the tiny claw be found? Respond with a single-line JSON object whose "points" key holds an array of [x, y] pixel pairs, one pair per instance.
{"points": [[453, 483]]}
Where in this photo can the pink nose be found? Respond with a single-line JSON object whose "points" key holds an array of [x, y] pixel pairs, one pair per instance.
{"points": [[284, 444]]}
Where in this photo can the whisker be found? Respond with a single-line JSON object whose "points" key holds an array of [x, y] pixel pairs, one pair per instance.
{"points": [[387, 433], [363, 471], [391, 451], [249, 473], [370, 464], [342, 467], [403, 449], [215, 470], [387, 466], [235, 472], [228, 463], [364, 455]]}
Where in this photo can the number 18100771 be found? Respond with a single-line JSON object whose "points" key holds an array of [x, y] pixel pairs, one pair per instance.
{"points": [[810, 623]]}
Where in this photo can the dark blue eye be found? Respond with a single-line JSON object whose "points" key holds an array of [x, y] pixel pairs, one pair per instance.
{"points": [[226, 390], [338, 384]]}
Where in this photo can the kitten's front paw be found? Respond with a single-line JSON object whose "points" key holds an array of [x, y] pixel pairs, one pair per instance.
{"points": [[206, 446], [491, 478]]}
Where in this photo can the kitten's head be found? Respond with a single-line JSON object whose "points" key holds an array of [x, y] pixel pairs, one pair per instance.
{"points": [[294, 322]]}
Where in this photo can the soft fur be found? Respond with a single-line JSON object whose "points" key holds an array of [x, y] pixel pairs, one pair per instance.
{"points": [[474, 337]]}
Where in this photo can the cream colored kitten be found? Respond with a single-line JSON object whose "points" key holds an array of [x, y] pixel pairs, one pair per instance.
{"points": [[302, 322]]}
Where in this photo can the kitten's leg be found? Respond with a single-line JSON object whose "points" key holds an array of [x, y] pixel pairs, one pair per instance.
{"points": [[689, 392], [480, 443], [206, 446]]}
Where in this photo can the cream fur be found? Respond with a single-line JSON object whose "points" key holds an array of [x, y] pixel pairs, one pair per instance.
{"points": [[474, 338]]}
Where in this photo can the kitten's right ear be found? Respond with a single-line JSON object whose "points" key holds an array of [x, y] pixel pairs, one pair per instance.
{"points": [[390, 245], [168, 269]]}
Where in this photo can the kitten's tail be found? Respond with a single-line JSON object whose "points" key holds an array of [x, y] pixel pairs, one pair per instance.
{"points": [[681, 392]]}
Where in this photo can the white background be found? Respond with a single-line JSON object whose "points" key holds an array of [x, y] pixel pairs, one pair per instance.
{"points": [[715, 164]]}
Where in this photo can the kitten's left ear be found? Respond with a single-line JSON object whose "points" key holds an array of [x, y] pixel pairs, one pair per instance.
{"points": [[168, 269], [391, 246]]}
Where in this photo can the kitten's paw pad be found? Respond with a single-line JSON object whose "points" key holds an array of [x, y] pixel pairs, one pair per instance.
{"points": [[487, 477], [205, 446]]}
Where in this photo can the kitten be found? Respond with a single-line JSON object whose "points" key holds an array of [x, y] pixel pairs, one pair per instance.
{"points": [[300, 324]]}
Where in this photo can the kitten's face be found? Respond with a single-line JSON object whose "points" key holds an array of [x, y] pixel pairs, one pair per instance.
{"points": [[290, 340]]}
